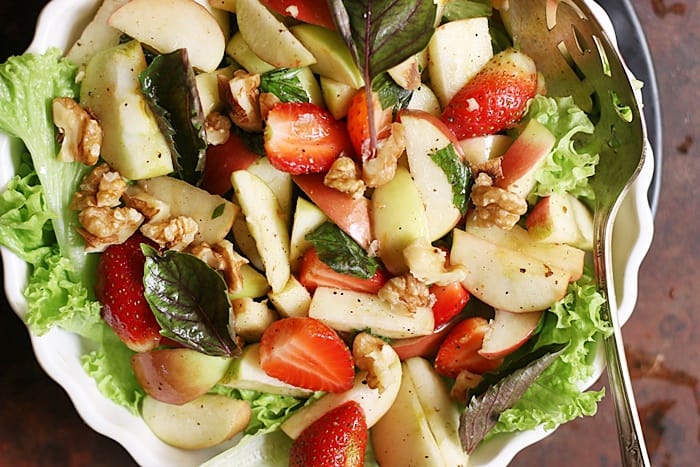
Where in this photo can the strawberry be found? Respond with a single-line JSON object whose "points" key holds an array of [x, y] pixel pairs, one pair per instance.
{"points": [[459, 350], [302, 138], [307, 353], [495, 99], [449, 301], [308, 11], [337, 439], [222, 160], [357, 120], [315, 273], [119, 287]]}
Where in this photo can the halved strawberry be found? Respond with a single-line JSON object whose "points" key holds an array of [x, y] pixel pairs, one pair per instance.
{"points": [[459, 350], [302, 138], [307, 353], [224, 159], [337, 438], [358, 122], [495, 99], [315, 273], [119, 287], [308, 11], [449, 301]]}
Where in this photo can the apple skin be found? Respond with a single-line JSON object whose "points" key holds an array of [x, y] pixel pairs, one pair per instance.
{"points": [[507, 332], [561, 218], [524, 158], [177, 376], [351, 215], [479, 149]]}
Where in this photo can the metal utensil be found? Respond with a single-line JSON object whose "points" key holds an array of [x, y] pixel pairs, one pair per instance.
{"points": [[572, 51]]}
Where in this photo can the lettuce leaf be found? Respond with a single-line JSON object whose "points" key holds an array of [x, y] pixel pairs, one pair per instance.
{"points": [[571, 163], [28, 85], [555, 397]]}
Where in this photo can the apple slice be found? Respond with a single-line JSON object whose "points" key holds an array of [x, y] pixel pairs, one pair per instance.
{"points": [[168, 25], [307, 218], [202, 423], [479, 149], [269, 38], [506, 279], [507, 332], [177, 376], [423, 98], [524, 158], [426, 134], [348, 213], [561, 218]]}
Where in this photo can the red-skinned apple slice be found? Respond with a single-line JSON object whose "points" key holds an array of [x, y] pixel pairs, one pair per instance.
{"points": [[507, 332], [351, 215], [524, 158], [479, 149], [561, 218]]}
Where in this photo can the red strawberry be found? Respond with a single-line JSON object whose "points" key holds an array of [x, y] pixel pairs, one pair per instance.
{"points": [[307, 353], [358, 122], [459, 350], [495, 99], [308, 11], [315, 273], [338, 438], [119, 287], [222, 160], [449, 301], [302, 138]]}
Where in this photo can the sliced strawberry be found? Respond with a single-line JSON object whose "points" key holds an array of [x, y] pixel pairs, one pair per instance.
{"points": [[315, 273], [303, 138], [459, 350], [119, 287], [305, 352], [449, 301], [495, 99], [309, 11], [222, 160], [338, 438], [358, 121]]}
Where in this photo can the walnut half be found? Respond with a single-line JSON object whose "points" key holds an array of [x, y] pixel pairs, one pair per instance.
{"points": [[81, 135], [494, 205]]}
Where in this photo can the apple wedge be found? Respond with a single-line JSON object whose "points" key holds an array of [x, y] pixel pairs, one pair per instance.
{"points": [[507, 332], [479, 149], [561, 218], [202, 423], [269, 38], [169, 25], [177, 376], [426, 134], [307, 218], [375, 402], [522, 160], [506, 279]]}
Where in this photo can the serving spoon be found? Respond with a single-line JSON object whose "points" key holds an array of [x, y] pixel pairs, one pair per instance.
{"points": [[576, 58]]}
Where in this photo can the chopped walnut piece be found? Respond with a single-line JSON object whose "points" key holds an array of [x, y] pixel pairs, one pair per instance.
{"points": [[104, 226], [491, 167], [465, 381], [102, 187], [224, 258], [151, 207], [81, 135], [382, 168], [344, 175], [267, 101], [217, 127], [408, 291], [175, 233], [495, 206], [245, 100], [367, 352], [429, 264]]}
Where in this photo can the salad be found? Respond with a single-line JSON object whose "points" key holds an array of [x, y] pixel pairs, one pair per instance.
{"points": [[245, 242]]}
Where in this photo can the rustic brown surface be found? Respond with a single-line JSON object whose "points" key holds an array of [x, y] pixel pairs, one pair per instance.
{"points": [[39, 426]]}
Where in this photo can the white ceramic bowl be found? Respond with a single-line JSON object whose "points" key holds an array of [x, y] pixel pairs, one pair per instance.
{"points": [[59, 352]]}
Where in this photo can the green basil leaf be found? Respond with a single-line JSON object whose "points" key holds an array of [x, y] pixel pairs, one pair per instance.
{"points": [[458, 174], [189, 301], [391, 94], [168, 84], [285, 84], [483, 411], [463, 9], [340, 252]]}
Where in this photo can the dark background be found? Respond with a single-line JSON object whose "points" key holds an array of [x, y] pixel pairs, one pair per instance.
{"points": [[39, 426]]}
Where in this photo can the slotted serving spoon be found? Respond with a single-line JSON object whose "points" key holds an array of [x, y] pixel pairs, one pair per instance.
{"points": [[571, 49]]}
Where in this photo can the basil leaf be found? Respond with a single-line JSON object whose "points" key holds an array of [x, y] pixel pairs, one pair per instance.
{"points": [[189, 301], [168, 84], [463, 9], [483, 411], [340, 252], [458, 174], [285, 84], [391, 94]]}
